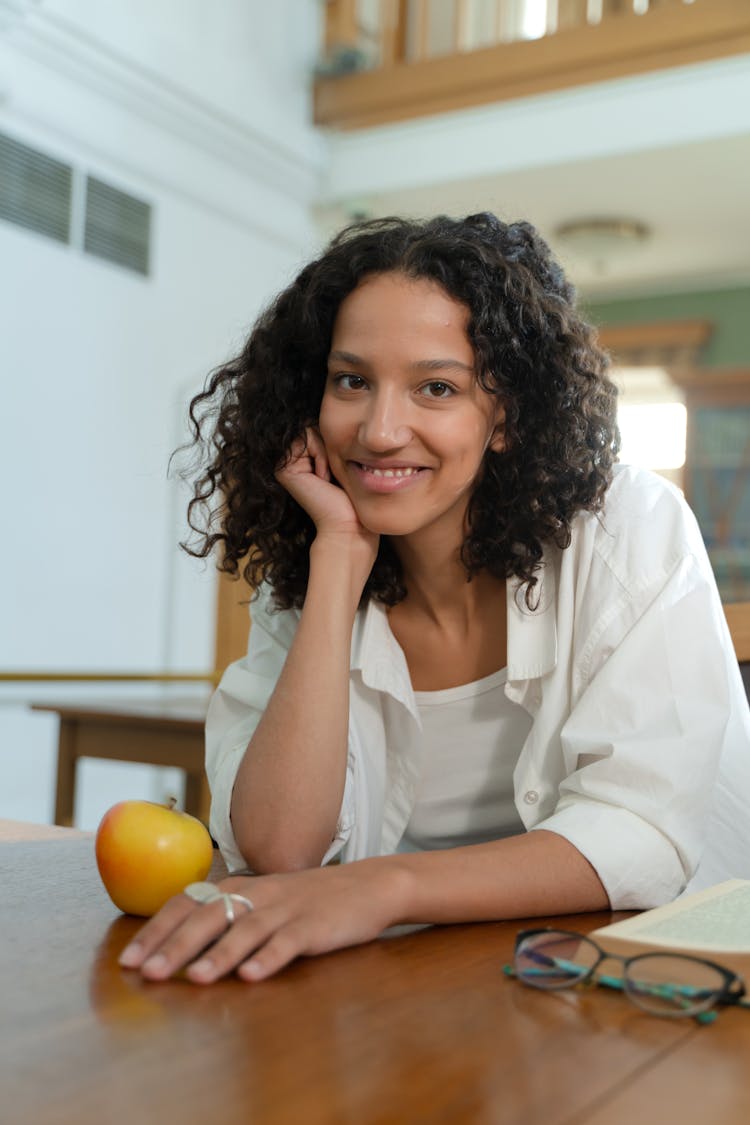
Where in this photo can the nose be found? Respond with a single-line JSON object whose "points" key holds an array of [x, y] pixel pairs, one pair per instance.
{"points": [[385, 424]]}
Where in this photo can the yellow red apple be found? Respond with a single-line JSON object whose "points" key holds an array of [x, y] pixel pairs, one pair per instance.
{"points": [[147, 852]]}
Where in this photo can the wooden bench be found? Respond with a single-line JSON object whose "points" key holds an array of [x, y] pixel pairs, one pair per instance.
{"points": [[156, 732]]}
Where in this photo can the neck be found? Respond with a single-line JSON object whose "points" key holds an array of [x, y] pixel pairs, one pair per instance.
{"points": [[437, 584]]}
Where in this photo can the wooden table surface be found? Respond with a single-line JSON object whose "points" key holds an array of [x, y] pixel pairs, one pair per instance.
{"points": [[421, 1027]]}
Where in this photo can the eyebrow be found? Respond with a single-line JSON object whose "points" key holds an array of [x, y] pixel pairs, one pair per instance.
{"points": [[442, 364], [421, 364]]}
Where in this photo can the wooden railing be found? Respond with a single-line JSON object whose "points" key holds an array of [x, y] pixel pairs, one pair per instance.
{"points": [[386, 60]]}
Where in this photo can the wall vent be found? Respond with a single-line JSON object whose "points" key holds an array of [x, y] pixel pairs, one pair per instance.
{"points": [[117, 227], [35, 190]]}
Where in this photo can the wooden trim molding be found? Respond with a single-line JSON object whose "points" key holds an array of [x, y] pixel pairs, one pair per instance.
{"points": [[667, 343], [622, 44], [713, 386]]}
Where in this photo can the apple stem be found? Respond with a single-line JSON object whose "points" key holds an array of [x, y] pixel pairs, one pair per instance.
{"points": [[171, 802]]}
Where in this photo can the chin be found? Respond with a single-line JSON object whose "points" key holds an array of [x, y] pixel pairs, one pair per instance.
{"points": [[388, 522], [389, 527]]}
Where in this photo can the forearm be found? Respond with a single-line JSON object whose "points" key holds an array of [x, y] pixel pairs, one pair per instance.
{"points": [[537, 873], [311, 912], [289, 786]]}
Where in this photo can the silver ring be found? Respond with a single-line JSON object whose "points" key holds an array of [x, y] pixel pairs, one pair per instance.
{"points": [[245, 902], [202, 892], [205, 893]]}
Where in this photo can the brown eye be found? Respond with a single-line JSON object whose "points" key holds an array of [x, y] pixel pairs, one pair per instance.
{"points": [[350, 382], [437, 389]]}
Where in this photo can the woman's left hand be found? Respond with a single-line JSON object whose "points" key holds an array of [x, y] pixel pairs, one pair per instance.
{"points": [[300, 913]]}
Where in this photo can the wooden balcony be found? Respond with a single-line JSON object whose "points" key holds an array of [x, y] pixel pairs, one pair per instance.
{"points": [[391, 60]]}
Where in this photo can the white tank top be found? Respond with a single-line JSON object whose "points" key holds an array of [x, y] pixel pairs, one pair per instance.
{"points": [[471, 738]]}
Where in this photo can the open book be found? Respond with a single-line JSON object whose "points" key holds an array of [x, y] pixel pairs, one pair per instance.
{"points": [[713, 924]]}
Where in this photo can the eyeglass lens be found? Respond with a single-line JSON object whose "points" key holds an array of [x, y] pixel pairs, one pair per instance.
{"points": [[659, 983], [673, 986], [554, 959]]}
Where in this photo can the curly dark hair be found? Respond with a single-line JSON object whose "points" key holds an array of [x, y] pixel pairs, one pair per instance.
{"points": [[533, 351]]}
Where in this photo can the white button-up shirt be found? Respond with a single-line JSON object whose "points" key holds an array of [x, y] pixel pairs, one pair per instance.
{"points": [[626, 667]]}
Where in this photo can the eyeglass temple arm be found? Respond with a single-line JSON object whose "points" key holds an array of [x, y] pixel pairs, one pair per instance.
{"points": [[570, 966]]}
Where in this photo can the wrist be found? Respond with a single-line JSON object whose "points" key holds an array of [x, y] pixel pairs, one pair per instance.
{"points": [[393, 887], [341, 559], [353, 543]]}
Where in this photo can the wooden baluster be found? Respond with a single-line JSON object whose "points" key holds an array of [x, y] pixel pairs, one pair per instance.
{"points": [[598, 10], [419, 29], [393, 23], [571, 13], [340, 25], [508, 20], [462, 26]]}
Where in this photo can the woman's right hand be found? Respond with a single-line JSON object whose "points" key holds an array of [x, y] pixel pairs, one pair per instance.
{"points": [[306, 476]]}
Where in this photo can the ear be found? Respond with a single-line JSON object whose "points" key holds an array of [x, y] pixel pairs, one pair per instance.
{"points": [[497, 440]]}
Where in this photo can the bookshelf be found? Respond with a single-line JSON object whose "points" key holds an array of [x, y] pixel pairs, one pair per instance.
{"points": [[717, 470]]}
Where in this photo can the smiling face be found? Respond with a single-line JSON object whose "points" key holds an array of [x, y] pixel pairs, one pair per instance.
{"points": [[404, 420]]}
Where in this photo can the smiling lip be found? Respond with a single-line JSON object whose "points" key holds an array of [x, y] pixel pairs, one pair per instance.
{"points": [[387, 478]]}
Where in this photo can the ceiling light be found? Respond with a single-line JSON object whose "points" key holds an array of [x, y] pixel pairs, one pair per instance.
{"points": [[601, 240]]}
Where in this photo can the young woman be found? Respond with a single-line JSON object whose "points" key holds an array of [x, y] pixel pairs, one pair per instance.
{"points": [[488, 670]]}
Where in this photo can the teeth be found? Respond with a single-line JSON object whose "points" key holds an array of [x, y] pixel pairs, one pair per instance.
{"points": [[390, 472]]}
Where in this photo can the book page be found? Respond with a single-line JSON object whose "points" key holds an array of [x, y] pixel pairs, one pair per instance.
{"points": [[718, 918]]}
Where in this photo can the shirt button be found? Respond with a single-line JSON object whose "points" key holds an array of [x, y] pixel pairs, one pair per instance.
{"points": [[531, 797]]}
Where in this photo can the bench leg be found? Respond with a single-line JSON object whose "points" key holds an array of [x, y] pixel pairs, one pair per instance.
{"points": [[65, 791]]}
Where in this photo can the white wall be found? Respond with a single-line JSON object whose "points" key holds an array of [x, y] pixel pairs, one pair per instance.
{"points": [[97, 364], [620, 117], [669, 148]]}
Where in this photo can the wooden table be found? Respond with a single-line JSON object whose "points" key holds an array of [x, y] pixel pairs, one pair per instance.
{"points": [[419, 1028], [166, 731]]}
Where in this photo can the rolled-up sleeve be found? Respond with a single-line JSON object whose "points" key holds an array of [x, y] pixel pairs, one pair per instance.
{"points": [[643, 742]]}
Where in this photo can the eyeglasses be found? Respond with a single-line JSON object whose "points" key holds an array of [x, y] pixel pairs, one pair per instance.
{"points": [[665, 984]]}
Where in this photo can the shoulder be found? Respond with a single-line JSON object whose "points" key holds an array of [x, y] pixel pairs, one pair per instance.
{"points": [[644, 531], [636, 495], [640, 561]]}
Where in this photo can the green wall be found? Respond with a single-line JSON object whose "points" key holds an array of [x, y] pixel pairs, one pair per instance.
{"points": [[727, 309]]}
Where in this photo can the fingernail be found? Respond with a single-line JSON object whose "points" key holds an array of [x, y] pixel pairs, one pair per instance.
{"points": [[204, 968], [155, 964], [250, 970], [130, 955]]}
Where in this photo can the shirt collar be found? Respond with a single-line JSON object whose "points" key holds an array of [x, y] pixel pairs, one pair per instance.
{"points": [[378, 656], [532, 634], [532, 641]]}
